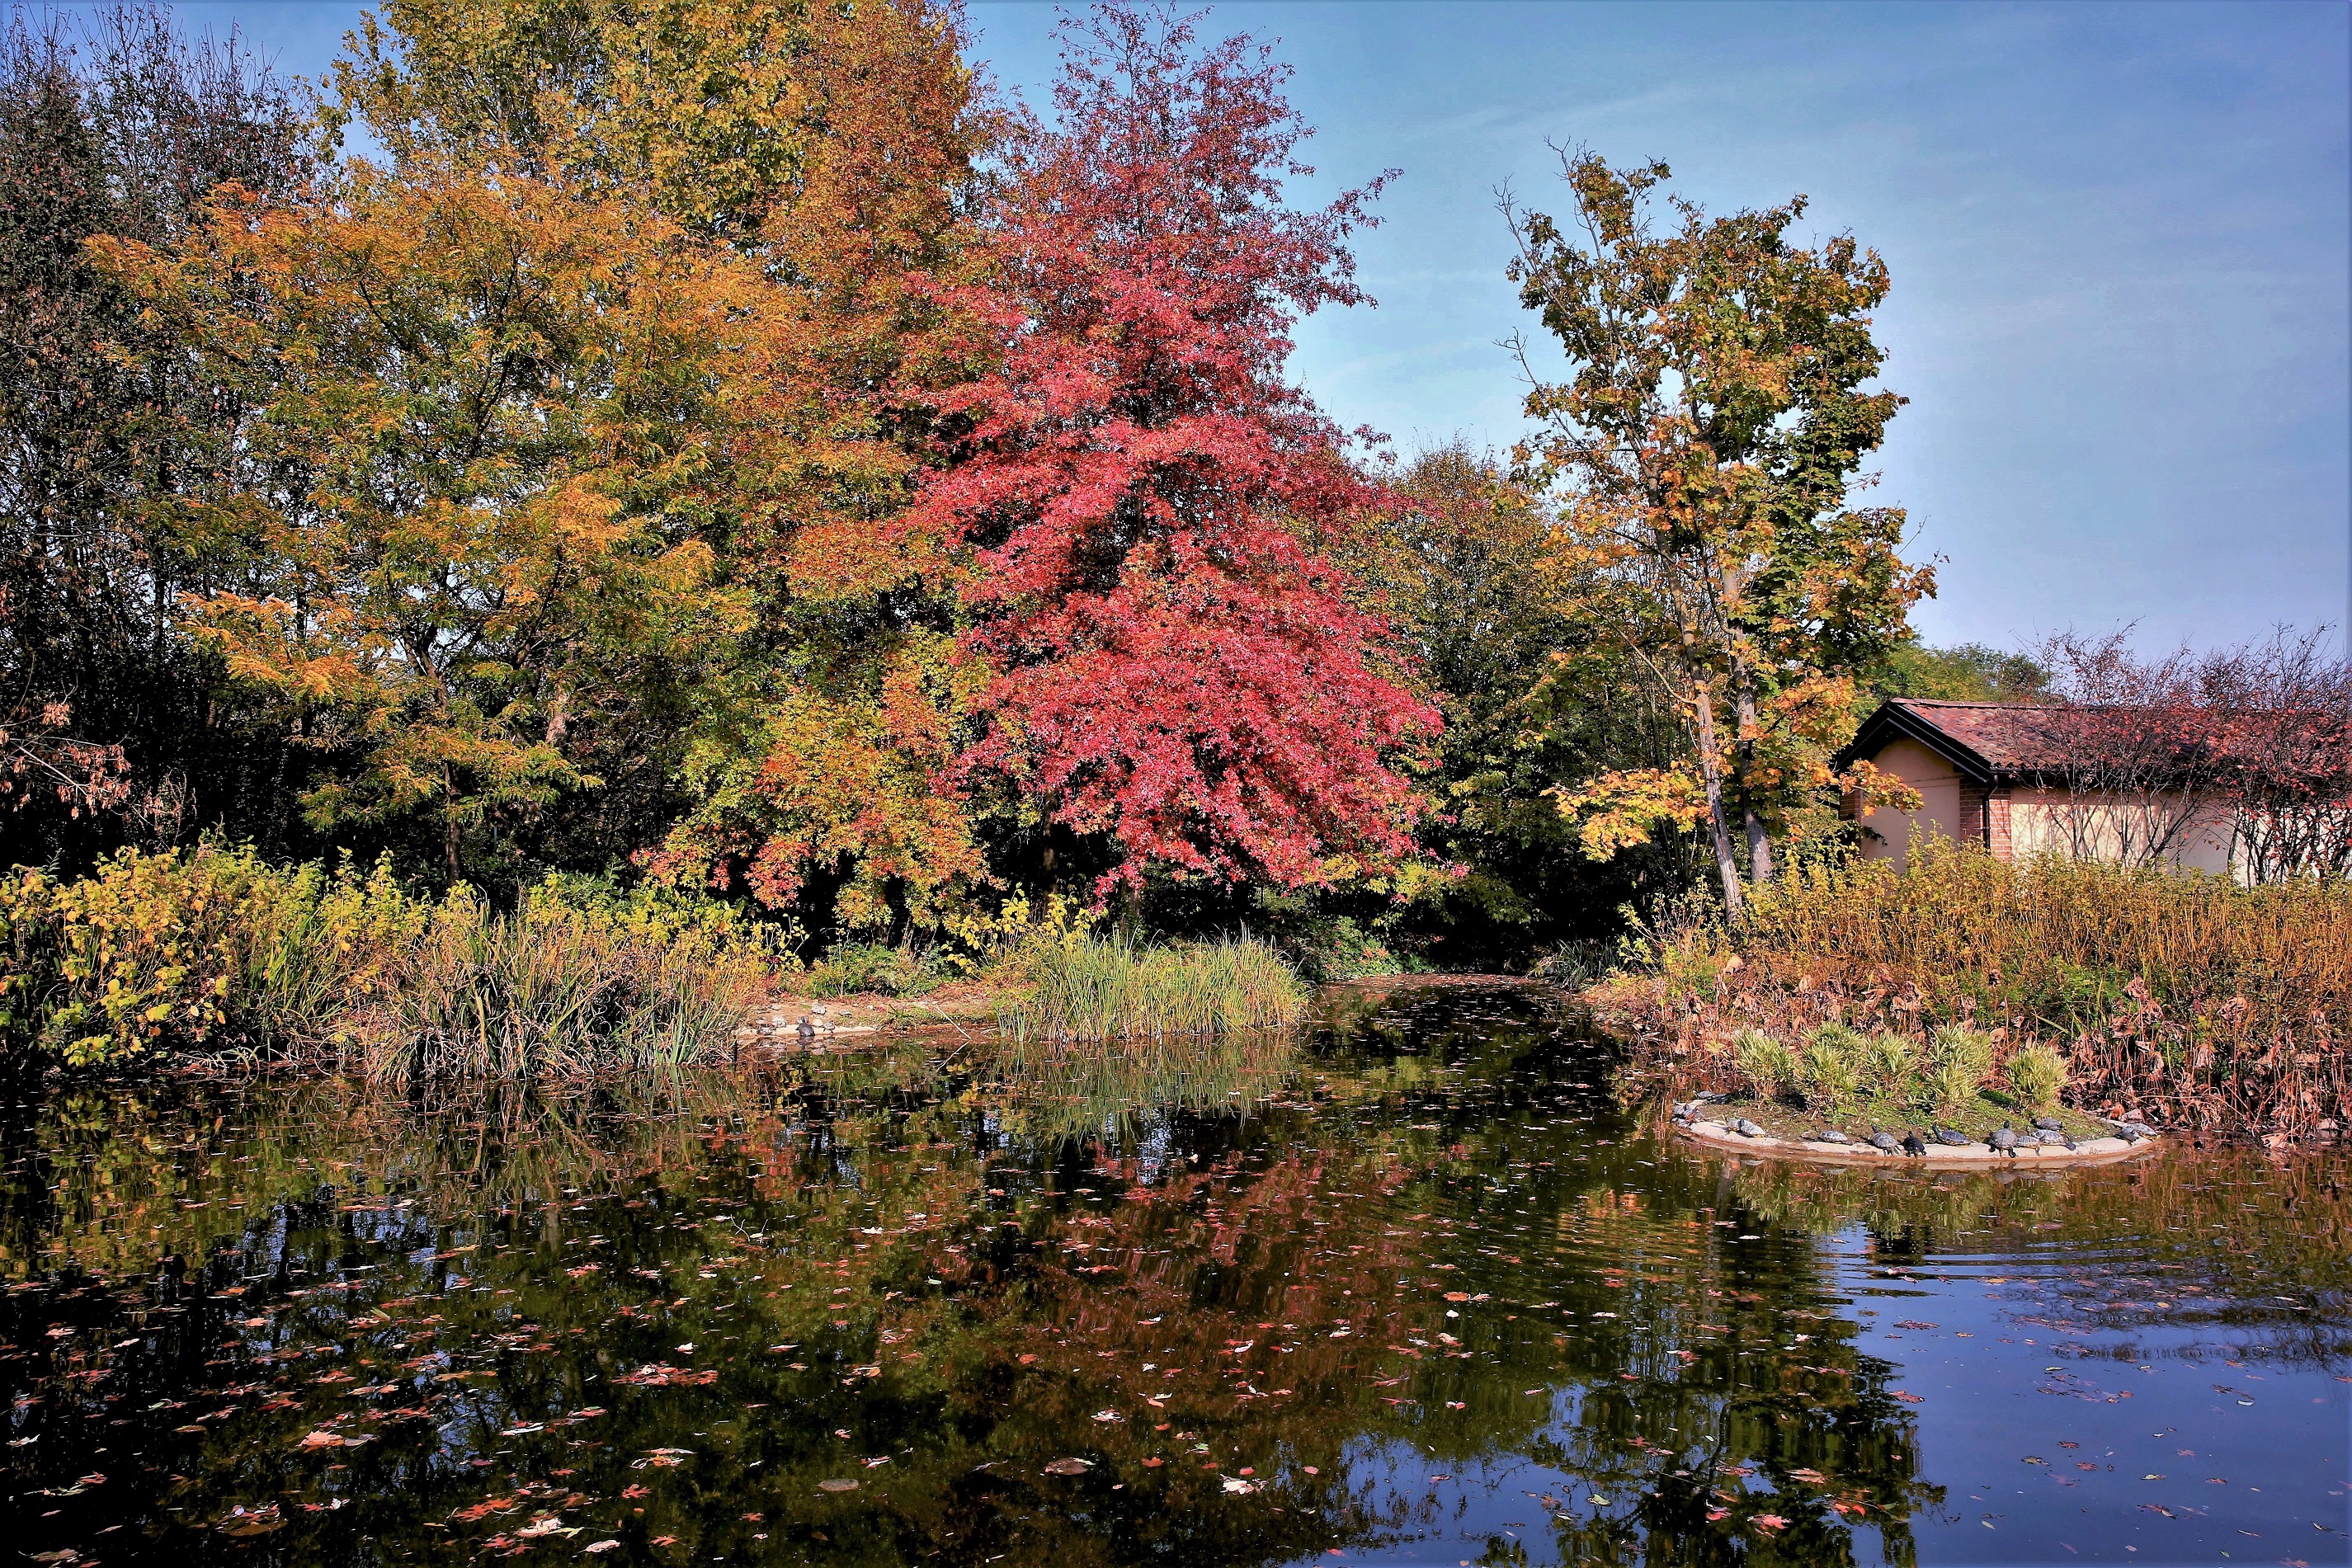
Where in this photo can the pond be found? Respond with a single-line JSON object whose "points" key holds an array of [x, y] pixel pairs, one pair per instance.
{"points": [[1411, 1289]]}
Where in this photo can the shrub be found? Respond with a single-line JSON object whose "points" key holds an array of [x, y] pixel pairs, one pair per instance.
{"points": [[1339, 949], [1085, 987], [1888, 1061], [1829, 1069], [1957, 1060], [871, 968], [214, 950], [209, 948], [1769, 1067], [2037, 1074]]}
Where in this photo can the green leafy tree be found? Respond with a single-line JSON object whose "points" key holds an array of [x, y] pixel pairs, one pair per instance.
{"points": [[1460, 567], [1704, 448], [1969, 673]]}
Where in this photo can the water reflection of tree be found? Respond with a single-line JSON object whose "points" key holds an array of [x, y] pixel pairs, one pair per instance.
{"points": [[937, 1229]]}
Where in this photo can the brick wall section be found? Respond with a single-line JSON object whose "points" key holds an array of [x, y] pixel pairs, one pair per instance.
{"points": [[1972, 828], [1997, 824]]}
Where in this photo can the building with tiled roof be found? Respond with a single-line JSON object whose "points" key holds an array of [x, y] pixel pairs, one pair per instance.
{"points": [[1998, 774]]}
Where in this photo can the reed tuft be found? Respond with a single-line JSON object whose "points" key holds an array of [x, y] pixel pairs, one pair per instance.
{"points": [[551, 990], [1086, 987]]}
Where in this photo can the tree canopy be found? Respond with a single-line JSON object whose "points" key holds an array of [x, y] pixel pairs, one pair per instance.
{"points": [[729, 439]]}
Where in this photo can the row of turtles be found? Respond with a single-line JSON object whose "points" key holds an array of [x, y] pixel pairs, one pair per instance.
{"points": [[2008, 1140]]}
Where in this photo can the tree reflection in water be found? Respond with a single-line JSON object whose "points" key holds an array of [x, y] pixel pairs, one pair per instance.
{"points": [[1265, 1290]]}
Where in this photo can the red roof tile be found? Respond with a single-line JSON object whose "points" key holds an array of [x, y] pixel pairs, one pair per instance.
{"points": [[2011, 737]]}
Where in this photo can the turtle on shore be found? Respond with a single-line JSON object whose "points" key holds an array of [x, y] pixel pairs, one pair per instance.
{"points": [[1831, 1136], [2004, 1142], [1883, 1141], [1747, 1129], [1952, 1139], [2050, 1124], [1913, 1144]]}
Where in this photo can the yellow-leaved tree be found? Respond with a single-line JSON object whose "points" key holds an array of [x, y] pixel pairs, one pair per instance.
{"points": [[577, 451], [463, 511]]}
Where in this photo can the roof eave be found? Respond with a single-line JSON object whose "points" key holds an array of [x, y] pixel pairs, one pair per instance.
{"points": [[1895, 721]]}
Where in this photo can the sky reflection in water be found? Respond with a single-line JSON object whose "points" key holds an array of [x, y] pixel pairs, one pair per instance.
{"points": [[1414, 1291]]}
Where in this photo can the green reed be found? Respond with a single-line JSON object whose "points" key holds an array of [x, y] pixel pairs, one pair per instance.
{"points": [[1102, 988], [553, 990]]}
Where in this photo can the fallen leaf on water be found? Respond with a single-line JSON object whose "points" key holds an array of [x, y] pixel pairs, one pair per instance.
{"points": [[261, 1522], [836, 1483]]}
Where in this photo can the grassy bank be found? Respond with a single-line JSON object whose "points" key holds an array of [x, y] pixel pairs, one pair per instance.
{"points": [[215, 952], [1089, 987], [2186, 1000]]}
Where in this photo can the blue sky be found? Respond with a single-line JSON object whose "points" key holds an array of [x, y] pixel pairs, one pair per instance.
{"points": [[2120, 237]]}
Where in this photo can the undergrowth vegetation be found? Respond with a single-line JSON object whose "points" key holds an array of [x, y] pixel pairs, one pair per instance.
{"points": [[2176, 997], [214, 952], [876, 969]]}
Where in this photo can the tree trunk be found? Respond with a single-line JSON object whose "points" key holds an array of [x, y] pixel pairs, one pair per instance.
{"points": [[449, 821], [1710, 768], [1760, 843]]}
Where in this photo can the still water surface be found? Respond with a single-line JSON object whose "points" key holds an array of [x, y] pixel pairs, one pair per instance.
{"points": [[1412, 1290]]}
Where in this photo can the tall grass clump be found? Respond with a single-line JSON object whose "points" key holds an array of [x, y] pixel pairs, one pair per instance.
{"points": [[2037, 1075], [1888, 1061], [1090, 987], [1956, 1062], [1831, 1068], [2066, 943], [554, 989]]}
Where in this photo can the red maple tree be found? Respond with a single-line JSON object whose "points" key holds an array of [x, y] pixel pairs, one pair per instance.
{"points": [[1175, 664]]}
